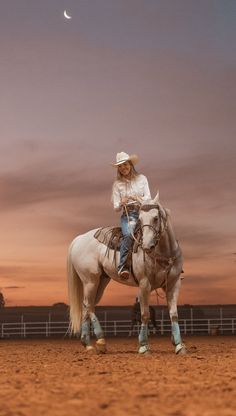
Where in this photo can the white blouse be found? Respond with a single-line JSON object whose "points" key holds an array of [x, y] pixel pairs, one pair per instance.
{"points": [[137, 187]]}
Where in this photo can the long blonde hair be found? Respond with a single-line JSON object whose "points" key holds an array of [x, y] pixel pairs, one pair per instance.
{"points": [[133, 172]]}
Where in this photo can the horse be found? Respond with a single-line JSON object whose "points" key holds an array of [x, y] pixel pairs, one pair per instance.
{"points": [[157, 263], [137, 320]]}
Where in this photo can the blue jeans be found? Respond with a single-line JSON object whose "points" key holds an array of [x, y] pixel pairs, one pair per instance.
{"points": [[127, 228]]}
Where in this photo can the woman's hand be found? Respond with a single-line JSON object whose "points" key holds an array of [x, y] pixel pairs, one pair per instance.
{"points": [[124, 201], [133, 199]]}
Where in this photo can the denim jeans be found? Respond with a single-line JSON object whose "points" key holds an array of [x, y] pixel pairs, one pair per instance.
{"points": [[127, 228]]}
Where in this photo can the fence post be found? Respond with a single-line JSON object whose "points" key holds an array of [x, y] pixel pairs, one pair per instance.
{"points": [[221, 318], [49, 324], [105, 322], [115, 328], [22, 326], [162, 321], [2, 332], [191, 315]]}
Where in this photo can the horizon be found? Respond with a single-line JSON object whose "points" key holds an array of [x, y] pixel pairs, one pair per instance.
{"points": [[155, 78], [118, 306]]}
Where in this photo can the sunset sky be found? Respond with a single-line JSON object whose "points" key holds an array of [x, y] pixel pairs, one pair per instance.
{"points": [[152, 77]]}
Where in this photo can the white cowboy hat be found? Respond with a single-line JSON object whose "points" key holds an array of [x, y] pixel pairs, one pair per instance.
{"points": [[123, 157]]}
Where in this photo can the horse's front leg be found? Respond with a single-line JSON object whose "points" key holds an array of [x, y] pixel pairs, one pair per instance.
{"points": [[145, 290], [172, 299]]}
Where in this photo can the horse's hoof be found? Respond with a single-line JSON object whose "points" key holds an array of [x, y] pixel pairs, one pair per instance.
{"points": [[144, 350], [101, 346], [183, 351], [180, 349]]}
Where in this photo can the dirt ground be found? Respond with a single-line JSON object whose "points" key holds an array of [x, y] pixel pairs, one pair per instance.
{"points": [[57, 377]]}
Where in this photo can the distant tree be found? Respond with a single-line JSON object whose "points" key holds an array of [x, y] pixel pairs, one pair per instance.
{"points": [[60, 305], [2, 300]]}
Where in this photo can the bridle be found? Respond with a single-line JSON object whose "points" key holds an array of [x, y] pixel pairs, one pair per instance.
{"points": [[158, 232]]}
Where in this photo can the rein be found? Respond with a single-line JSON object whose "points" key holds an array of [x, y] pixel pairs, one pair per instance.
{"points": [[127, 214], [157, 233]]}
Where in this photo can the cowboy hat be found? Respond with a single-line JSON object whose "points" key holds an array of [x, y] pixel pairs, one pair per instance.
{"points": [[123, 157]]}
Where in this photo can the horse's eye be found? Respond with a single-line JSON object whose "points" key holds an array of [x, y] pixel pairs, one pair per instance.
{"points": [[155, 218]]}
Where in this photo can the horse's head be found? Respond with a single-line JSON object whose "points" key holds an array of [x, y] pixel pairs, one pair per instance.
{"points": [[151, 223]]}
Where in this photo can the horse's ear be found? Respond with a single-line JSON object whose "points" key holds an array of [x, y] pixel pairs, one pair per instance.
{"points": [[156, 199]]}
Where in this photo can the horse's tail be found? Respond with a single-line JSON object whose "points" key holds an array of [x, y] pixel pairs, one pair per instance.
{"points": [[75, 294]]}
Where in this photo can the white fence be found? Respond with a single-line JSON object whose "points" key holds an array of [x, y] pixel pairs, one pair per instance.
{"points": [[223, 326]]}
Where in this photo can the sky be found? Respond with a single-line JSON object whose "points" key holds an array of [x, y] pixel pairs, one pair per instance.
{"points": [[151, 77]]}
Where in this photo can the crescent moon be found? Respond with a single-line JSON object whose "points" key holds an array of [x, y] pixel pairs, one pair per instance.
{"points": [[67, 15]]}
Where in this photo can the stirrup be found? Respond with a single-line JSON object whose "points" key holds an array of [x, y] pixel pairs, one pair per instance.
{"points": [[124, 273]]}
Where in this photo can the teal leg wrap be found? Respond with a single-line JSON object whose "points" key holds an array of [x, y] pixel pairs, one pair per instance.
{"points": [[85, 333], [143, 335], [176, 333], [96, 326]]}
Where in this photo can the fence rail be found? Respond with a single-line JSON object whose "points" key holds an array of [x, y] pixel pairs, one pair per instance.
{"points": [[223, 326]]}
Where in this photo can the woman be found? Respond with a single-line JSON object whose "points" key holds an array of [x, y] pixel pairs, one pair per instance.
{"points": [[128, 192]]}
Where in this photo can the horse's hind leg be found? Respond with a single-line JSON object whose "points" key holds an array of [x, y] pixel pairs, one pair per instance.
{"points": [[90, 293], [172, 298], [85, 333]]}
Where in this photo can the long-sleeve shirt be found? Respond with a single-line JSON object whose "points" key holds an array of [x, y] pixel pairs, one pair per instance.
{"points": [[133, 189]]}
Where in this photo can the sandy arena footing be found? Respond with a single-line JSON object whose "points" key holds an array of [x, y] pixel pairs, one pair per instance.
{"points": [[57, 377]]}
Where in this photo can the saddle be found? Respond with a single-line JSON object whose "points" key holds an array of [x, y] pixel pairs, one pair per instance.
{"points": [[111, 237]]}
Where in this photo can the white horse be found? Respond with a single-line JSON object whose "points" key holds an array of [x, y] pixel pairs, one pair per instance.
{"points": [[156, 264]]}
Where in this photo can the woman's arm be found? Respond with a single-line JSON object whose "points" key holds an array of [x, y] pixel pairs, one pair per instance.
{"points": [[116, 197]]}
